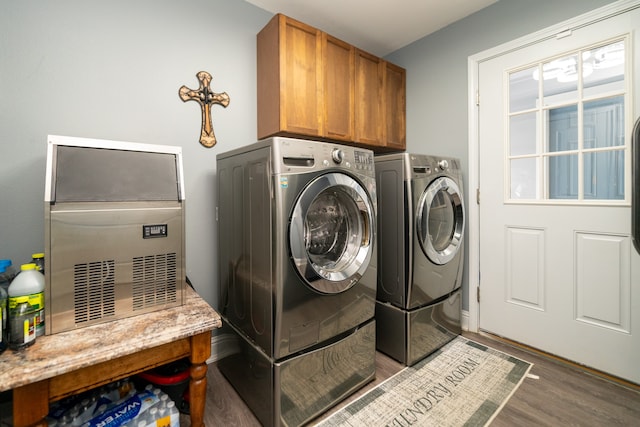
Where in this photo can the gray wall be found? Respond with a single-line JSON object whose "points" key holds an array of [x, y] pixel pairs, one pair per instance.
{"points": [[437, 119], [112, 69]]}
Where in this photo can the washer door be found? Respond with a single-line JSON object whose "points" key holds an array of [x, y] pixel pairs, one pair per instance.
{"points": [[331, 233], [440, 220]]}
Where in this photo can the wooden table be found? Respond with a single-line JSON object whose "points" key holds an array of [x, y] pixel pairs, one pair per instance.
{"points": [[67, 363]]}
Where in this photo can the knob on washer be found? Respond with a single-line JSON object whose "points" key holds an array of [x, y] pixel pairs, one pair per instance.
{"points": [[337, 155], [443, 164]]}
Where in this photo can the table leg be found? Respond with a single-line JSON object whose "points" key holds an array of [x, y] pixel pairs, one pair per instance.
{"points": [[31, 404], [200, 352]]}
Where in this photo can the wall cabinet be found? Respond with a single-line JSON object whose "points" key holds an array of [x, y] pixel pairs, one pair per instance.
{"points": [[311, 84], [289, 84], [369, 113]]}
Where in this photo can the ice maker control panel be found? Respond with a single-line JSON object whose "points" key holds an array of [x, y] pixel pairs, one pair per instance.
{"points": [[155, 230]]}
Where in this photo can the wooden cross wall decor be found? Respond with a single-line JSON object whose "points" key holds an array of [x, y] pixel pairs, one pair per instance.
{"points": [[205, 97]]}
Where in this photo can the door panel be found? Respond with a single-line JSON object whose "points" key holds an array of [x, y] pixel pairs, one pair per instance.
{"points": [[558, 271]]}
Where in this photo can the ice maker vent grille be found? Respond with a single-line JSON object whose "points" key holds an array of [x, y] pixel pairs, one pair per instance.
{"points": [[94, 290], [154, 281]]}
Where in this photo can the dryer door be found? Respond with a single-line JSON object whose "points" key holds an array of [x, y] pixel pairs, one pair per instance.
{"points": [[331, 232], [440, 220]]}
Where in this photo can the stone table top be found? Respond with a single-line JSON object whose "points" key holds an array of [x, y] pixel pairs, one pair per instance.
{"points": [[57, 354]]}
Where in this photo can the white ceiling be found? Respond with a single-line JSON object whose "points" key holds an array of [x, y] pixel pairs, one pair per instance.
{"points": [[376, 26]]}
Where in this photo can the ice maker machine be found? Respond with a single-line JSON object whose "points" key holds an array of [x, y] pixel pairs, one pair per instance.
{"points": [[114, 231]]}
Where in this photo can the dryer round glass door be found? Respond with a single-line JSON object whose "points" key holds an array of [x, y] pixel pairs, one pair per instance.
{"points": [[440, 220], [331, 232]]}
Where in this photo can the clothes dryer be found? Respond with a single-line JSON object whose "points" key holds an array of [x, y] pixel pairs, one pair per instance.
{"points": [[297, 262], [420, 229]]}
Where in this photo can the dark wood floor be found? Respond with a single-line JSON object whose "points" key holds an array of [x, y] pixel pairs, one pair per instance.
{"points": [[557, 394]]}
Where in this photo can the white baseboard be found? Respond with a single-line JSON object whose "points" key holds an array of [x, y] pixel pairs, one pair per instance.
{"points": [[221, 346], [464, 320]]}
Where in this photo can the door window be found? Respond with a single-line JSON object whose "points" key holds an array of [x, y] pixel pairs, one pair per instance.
{"points": [[566, 127]]}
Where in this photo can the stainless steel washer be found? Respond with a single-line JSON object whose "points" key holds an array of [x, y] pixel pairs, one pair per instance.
{"points": [[297, 263], [421, 229]]}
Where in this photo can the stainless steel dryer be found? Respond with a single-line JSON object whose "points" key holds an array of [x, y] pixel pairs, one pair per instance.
{"points": [[297, 263], [420, 229]]}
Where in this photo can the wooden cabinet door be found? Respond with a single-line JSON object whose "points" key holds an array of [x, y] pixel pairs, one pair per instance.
{"points": [[395, 106], [289, 55], [368, 99], [301, 81], [339, 86]]}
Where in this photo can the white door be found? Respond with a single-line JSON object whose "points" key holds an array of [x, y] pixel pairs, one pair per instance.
{"points": [[558, 270]]}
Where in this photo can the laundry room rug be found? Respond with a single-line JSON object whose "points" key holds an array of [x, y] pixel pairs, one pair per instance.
{"points": [[463, 384]]}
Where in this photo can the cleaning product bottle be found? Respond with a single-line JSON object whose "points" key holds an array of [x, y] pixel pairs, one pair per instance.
{"points": [[26, 306], [22, 322], [38, 260]]}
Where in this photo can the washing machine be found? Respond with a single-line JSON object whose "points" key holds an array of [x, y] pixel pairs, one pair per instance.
{"points": [[297, 262], [420, 234]]}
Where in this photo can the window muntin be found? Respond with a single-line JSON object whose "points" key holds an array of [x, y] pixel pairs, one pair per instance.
{"points": [[571, 146]]}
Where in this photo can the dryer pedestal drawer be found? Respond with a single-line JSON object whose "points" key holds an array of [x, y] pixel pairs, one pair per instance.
{"points": [[296, 390], [410, 335]]}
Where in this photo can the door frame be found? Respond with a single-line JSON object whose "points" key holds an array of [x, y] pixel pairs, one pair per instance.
{"points": [[471, 319]]}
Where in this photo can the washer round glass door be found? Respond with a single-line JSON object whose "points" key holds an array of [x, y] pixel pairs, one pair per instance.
{"points": [[440, 220], [331, 232]]}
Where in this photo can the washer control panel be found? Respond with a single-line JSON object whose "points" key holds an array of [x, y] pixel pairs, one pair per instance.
{"points": [[301, 156], [363, 160]]}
